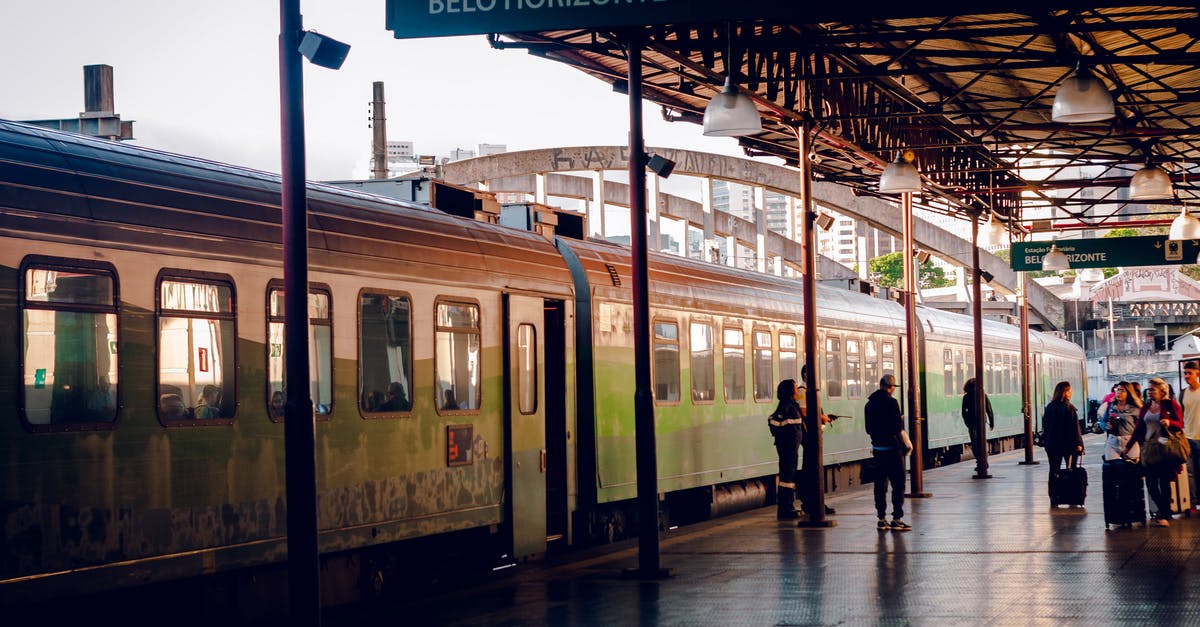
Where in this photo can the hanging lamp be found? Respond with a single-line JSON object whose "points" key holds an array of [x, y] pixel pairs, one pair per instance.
{"points": [[731, 113], [1056, 259], [1082, 98], [1151, 183], [1185, 226], [900, 176], [994, 232]]}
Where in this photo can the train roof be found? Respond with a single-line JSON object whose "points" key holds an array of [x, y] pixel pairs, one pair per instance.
{"points": [[89, 190]]}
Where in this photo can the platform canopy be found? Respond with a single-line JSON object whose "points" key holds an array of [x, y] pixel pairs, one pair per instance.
{"points": [[969, 93]]}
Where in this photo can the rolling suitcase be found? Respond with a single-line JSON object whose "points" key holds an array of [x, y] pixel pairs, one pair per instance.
{"points": [[1068, 486], [1124, 497], [1181, 496]]}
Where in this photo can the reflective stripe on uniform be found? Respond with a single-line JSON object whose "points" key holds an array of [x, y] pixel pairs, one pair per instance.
{"points": [[789, 421]]}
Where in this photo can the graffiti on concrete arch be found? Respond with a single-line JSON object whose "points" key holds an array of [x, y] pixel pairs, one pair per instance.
{"points": [[1164, 309]]}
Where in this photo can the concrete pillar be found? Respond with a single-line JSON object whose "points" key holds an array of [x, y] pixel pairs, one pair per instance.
{"points": [[652, 205], [596, 206], [539, 188], [760, 237]]}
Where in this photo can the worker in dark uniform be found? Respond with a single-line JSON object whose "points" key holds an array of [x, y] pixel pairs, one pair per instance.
{"points": [[889, 446], [811, 472], [787, 427], [971, 420]]}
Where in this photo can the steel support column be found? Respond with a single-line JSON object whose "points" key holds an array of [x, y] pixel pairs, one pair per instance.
{"points": [[981, 455], [1026, 388], [917, 482], [304, 598]]}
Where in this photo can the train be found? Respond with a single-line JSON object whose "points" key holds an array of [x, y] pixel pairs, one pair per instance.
{"points": [[472, 382]]}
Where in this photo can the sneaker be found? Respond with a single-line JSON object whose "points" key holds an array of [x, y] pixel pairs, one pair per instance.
{"points": [[883, 525], [1162, 522], [898, 524]]}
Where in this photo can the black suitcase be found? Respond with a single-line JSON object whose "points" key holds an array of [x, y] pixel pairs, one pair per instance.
{"points": [[1124, 496], [1068, 486]]}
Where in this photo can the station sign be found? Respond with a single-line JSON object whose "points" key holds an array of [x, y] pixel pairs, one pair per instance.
{"points": [[1109, 252], [439, 18]]}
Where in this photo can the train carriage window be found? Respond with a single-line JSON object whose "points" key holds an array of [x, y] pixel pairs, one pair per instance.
{"points": [[833, 366], [871, 363], [320, 352], [666, 362], [526, 369], [385, 359], [787, 357], [989, 372], [948, 388], [889, 358], [970, 362], [764, 389], [457, 356], [960, 370], [853, 369], [197, 349], [1007, 371], [69, 344], [703, 359], [733, 351]]}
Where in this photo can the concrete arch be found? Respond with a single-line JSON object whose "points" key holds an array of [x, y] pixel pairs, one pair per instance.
{"points": [[529, 165]]}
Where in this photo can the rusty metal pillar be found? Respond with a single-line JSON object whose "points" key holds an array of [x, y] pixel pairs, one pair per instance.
{"points": [[1026, 388], [981, 455], [917, 479]]}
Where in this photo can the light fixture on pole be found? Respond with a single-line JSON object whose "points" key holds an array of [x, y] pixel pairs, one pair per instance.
{"points": [[994, 232], [1056, 259], [900, 176], [1082, 98], [1185, 226], [1151, 183], [731, 113]]}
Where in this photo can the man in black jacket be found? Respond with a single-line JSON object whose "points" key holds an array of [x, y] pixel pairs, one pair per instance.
{"points": [[888, 447], [971, 420]]}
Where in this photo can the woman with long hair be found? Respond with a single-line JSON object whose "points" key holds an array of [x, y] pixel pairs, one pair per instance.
{"points": [[1119, 419], [1155, 418], [1063, 439], [787, 427]]}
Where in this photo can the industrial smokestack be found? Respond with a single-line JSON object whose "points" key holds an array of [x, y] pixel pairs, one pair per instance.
{"points": [[98, 90], [379, 136]]}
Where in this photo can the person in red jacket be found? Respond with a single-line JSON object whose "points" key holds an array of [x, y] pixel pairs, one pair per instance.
{"points": [[1161, 413]]}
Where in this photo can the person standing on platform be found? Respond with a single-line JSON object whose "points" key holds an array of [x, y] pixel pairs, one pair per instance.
{"points": [[971, 420], [1119, 418], [810, 472], [1063, 439], [787, 427], [889, 446], [1189, 399], [1161, 413]]}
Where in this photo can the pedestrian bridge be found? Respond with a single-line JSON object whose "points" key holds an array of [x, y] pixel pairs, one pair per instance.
{"points": [[541, 173]]}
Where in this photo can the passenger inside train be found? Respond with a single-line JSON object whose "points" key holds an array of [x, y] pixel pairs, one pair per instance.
{"points": [[209, 407]]}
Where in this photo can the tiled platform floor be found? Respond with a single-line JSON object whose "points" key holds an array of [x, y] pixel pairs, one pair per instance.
{"points": [[982, 552]]}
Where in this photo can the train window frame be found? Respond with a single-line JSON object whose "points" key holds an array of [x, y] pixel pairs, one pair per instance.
{"points": [[887, 348], [527, 370], [66, 264], [768, 391], [726, 371], [871, 376], [948, 388], [711, 365], [847, 341], [655, 370], [794, 350], [313, 289], [203, 278], [480, 375], [408, 364], [834, 387]]}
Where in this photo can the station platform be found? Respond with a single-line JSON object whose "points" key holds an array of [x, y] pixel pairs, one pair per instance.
{"points": [[982, 551]]}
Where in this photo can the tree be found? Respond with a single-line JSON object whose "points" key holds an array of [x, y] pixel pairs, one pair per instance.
{"points": [[889, 272]]}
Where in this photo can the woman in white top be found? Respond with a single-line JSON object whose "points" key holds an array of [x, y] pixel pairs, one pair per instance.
{"points": [[1120, 418]]}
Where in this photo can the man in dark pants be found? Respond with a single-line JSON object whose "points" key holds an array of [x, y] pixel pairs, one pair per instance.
{"points": [[889, 447], [787, 427], [810, 472], [972, 421]]}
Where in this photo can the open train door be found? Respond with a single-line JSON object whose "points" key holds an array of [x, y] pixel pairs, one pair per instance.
{"points": [[524, 420]]}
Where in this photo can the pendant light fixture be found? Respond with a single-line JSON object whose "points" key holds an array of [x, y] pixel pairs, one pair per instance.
{"points": [[1185, 226], [1151, 183], [1056, 259], [993, 233], [1082, 98], [900, 176], [731, 113]]}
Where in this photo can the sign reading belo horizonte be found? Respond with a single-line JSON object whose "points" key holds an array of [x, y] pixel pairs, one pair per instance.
{"points": [[1111, 252]]}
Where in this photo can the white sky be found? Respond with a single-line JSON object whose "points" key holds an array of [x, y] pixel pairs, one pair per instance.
{"points": [[202, 79]]}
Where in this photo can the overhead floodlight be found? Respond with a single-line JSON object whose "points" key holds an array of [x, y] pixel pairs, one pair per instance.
{"points": [[323, 51], [1082, 98], [1056, 259], [730, 113], [1185, 226], [824, 220], [1151, 183], [660, 165], [900, 176], [994, 232]]}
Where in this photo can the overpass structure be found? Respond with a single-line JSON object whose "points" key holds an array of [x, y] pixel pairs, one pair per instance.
{"points": [[539, 172]]}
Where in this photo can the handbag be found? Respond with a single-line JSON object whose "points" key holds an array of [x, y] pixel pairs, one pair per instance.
{"points": [[1173, 452]]}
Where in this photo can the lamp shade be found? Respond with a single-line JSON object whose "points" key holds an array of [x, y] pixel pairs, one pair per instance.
{"points": [[731, 114], [994, 232], [1082, 98], [899, 177], [1150, 183], [1185, 226], [1056, 259]]}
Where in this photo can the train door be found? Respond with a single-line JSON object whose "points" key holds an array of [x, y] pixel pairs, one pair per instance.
{"points": [[524, 422], [555, 388]]}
